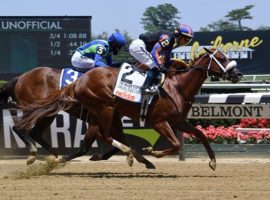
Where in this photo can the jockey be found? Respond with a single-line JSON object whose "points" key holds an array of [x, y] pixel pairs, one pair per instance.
{"points": [[159, 44], [91, 54]]}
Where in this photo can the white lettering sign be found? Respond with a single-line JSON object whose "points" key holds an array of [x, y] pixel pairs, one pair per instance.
{"points": [[8, 132], [30, 25]]}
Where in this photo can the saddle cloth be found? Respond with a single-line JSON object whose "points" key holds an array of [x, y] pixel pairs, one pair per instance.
{"points": [[128, 84], [68, 75]]}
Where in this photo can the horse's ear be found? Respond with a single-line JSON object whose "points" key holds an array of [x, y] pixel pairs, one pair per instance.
{"points": [[207, 50]]}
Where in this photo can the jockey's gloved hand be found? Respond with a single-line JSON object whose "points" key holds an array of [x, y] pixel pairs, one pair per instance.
{"points": [[167, 64]]}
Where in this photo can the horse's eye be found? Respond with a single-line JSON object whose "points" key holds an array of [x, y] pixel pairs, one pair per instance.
{"points": [[223, 59]]}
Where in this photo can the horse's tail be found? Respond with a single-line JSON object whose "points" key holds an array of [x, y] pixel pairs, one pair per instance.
{"points": [[7, 91], [59, 100]]}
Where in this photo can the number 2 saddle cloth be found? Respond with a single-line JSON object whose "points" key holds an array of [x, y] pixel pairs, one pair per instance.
{"points": [[129, 83]]}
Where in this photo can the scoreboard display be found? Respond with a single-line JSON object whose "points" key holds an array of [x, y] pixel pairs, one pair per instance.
{"points": [[29, 42]]}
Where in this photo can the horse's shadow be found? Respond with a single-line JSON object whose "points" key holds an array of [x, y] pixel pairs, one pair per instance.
{"points": [[129, 175]]}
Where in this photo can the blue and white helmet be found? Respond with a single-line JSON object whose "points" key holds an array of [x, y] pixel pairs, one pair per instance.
{"points": [[117, 38]]}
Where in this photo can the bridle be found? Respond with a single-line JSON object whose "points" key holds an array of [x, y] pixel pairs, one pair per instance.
{"points": [[225, 70], [224, 74]]}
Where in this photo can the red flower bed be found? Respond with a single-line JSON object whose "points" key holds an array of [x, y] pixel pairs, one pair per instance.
{"points": [[255, 123], [229, 135]]}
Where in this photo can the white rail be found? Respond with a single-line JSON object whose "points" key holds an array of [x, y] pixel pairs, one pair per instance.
{"points": [[239, 85]]}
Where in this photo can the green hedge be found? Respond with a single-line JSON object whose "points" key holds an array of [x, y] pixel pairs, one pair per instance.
{"points": [[2, 83], [214, 122]]}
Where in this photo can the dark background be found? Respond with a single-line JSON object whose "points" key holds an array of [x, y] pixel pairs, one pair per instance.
{"points": [[259, 63], [24, 49]]}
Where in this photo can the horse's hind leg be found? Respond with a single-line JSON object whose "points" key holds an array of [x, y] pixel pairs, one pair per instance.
{"points": [[189, 128], [116, 132], [90, 137], [37, 131], [110, 153], [104, 156], [30, 145], [105, 118], [92, 133], [117, 127]]}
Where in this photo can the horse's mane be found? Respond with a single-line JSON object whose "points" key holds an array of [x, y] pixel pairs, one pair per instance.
{"points": [[177, 66]]}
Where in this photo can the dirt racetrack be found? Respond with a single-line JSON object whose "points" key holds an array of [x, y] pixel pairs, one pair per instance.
{"points": [[246, 178]]}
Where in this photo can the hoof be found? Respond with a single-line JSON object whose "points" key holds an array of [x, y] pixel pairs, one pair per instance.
{"points": [[30, 160], [213, 164], [142, 159], [148, 149], [149, 165], [130, 160], [96, 157]]}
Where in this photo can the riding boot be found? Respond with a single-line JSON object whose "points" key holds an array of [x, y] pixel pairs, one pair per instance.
{"points": [[150, 78]]}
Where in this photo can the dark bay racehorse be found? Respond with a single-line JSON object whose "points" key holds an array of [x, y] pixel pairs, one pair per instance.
{"points": [[37, 84], [167, 112]]}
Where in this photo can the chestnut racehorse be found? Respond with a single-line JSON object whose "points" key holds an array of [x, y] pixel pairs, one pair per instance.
{"points": [[37, 84], [167, 112]]}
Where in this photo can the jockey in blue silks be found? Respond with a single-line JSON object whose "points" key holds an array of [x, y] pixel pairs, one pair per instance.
{"points": [[93, 53]]}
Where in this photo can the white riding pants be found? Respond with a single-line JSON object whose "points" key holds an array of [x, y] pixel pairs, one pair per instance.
{"points": [[81, 62], [138, 50]]}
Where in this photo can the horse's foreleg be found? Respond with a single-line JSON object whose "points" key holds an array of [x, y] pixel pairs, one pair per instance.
{"points": [[189, 128], [164, 129]]}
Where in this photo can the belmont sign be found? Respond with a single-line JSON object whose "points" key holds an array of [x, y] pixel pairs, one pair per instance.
{"points": [[225, 111]]}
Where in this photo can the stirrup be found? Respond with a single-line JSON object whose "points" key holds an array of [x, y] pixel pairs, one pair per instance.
{"points": [[152, 90]]}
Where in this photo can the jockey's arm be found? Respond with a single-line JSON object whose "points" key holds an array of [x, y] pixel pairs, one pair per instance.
{"points": [[161, 51], [99, 62], [156, 54], [101, 51]]}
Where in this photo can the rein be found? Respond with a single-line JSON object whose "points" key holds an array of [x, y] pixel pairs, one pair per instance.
{"points": [[207, 67]]}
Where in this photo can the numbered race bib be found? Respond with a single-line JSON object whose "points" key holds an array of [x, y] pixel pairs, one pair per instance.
{"points": [[68, 76], [129, 82]]}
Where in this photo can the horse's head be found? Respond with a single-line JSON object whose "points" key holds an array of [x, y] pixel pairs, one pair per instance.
{"points": [[218, 64]]}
